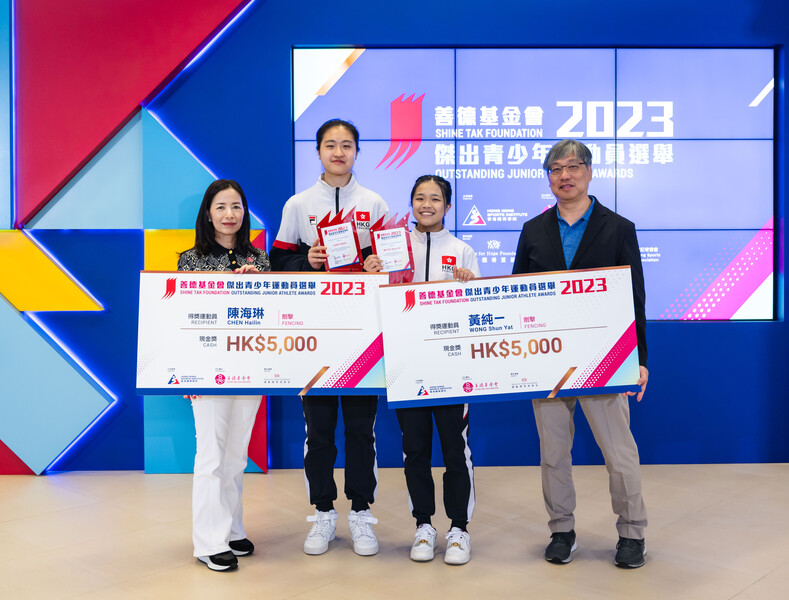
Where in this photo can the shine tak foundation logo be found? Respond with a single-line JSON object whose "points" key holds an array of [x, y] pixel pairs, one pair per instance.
{"points": [[410, 300], [169, 290], [406, 130]]}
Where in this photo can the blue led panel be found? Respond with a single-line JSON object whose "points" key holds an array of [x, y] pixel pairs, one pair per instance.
{"points": [[712, 92], [367, 90], [681, 142]]}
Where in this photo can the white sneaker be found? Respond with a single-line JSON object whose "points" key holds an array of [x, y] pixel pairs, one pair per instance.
{"points": [[364, 541], [458, 547], [424, 543], [322, 532]]}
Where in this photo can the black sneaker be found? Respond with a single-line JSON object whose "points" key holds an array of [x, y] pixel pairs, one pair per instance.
{"points": [[224, 561], [630, 553], [242, 547], [560, 550]]}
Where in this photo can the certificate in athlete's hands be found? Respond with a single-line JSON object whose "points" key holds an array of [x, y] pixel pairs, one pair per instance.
{"points": [[342, 244], [391, 246]]}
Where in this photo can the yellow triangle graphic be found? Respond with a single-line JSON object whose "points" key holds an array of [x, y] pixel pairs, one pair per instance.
{"points": [[30, 281]]}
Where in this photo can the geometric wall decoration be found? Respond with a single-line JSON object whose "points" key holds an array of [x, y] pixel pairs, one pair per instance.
{"points": [[211, 107], [78, 145], [32, 282], [173, 181], [169, 433], [82, 71], [46, 401], [11, 464], [6, 221], [106, 193], [162, 247], [104, 343]]}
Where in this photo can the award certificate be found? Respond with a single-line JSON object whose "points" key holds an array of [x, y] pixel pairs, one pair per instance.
{"points": [[391, 246], [342, 244], [543, 335], [261, 333]]}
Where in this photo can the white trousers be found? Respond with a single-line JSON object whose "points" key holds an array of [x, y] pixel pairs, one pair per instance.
{"points": [[223, 425]]}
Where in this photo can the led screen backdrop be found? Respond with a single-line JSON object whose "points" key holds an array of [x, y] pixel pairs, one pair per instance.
{"points": [[682, 144]]}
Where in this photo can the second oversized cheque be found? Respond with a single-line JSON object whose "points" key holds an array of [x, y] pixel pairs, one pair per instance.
{"points": [[281, 333], [540, 335]]}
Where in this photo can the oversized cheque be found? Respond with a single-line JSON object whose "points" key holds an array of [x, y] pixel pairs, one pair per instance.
{"points": [[539, 335], [284, 333]]}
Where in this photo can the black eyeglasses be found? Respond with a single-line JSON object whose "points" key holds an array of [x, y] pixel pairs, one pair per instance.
{"points": [[571, 169]]}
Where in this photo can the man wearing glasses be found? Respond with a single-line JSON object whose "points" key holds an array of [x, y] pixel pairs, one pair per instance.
{"points": [[580, 233]]}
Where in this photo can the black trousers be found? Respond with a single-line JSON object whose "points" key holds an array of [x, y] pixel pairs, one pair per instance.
{"points": [[452, 424], [320, 452]]}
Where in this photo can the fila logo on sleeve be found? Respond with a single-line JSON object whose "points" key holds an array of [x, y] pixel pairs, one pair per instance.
{"points": [[448, 264]]}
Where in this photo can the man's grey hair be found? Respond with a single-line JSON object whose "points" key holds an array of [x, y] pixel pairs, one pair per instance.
{"points": [[567, 148]]}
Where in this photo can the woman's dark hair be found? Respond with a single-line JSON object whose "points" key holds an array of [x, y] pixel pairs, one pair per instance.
{"points": [[337, 123], [446, 188], [205, 234]]}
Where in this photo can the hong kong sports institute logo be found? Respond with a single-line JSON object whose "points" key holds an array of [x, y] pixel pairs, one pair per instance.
{"points": [[406, 129]]}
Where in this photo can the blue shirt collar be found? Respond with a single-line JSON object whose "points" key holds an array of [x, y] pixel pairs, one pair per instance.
{"points": [[584, 217]]}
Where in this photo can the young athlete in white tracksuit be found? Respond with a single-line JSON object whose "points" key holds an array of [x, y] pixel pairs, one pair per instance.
{"points": [[438, 255], [296, 249], [298, 230], [223, 424]]}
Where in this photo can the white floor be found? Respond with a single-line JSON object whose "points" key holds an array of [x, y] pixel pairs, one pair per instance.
{"points": [[716, 532]]}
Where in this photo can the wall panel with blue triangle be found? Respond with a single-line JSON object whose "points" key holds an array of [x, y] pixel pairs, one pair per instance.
{"points": [[5, 115], [69, 286]]}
